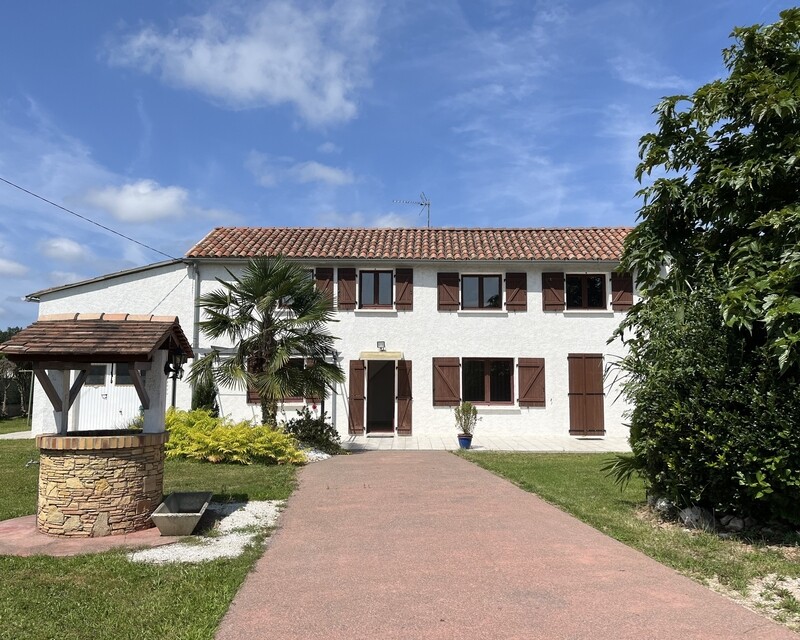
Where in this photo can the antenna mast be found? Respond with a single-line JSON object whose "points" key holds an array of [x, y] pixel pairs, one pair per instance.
{"points": [[423, 202]]}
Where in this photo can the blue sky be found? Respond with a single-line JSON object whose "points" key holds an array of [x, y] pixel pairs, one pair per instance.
{"points": [[165, 119]]}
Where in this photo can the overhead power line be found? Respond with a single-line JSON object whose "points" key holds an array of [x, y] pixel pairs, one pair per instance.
{"points": [[90, 221]]}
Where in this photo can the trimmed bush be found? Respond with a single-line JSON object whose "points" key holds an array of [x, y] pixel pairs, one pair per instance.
{"points": [[198, 435], [714, 423], [314, 431]]}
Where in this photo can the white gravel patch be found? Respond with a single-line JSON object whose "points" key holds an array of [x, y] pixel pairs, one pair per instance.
{"points": [[315, 455], [240, 523]]}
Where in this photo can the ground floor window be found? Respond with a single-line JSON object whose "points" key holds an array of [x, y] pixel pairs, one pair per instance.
{"points": [[488, 380]]}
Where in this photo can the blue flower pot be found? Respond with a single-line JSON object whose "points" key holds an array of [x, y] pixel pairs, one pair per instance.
{"points": [[464, 441]]}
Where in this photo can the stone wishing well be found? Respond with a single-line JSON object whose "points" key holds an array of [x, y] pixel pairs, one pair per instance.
{"points": [[99, 483]]}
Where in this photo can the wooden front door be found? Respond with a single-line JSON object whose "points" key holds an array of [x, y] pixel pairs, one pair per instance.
{"points": [[355, 414], [586, 394], [404, 397]]}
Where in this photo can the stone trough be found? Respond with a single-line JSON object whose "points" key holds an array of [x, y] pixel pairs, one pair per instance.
{"points": [[179, 514]]}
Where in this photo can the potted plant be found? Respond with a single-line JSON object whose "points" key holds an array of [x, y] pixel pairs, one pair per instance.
{"points": [[466, 418]]}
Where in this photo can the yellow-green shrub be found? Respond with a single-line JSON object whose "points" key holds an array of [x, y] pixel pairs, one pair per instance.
{"points": [[200, 436]]}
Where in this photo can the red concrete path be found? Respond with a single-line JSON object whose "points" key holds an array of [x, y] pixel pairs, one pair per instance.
{"points": [[19, 537], [427, 545]]}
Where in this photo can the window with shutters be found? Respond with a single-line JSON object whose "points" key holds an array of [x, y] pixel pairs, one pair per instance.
{"points": [[481, 292], [375, 290], [586, 291], [488, 381]]}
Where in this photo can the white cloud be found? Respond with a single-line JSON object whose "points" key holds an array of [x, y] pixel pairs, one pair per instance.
{"points": [[645, 72], [270, 171], [142, 201], [63, 249], [265, 54], [11, 268], [305, 172], [329, 147]]}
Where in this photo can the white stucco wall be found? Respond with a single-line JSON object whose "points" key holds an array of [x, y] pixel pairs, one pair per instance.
{"points": [[421, 335], [163, 290]]}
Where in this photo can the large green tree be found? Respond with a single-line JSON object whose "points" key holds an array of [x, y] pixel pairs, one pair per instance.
{"points": [[713, 366], [270, 314]]}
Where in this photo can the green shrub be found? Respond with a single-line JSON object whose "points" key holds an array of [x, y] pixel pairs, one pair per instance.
{"points": [[314, 431], [204, 396], [466, 416], [198, 435], [714, 422]]}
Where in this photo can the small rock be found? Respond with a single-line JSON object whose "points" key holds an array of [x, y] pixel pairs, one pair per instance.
{"points": [[724, 520], [768, 531], [697, 518], [750, 523], [665, 508], [736, 525]]}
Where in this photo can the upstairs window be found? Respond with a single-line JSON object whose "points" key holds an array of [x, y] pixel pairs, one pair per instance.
{"points": [[487, 381], [586, 291], [481, 292], [375, 289]]}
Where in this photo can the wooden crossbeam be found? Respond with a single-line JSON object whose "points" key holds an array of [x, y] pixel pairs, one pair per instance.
{"points": [[139, 386], [49, 389]]}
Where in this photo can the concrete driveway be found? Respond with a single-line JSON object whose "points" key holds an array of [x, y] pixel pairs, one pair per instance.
{"points": [[427, 545]]}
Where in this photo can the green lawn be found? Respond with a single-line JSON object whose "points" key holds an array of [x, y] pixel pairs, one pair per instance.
{"points": [[104, 596], [576, 483], [10, 425]]}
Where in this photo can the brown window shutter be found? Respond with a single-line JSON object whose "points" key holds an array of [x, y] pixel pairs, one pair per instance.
{"points": [[404, 397], [323, 277], [446, 382], [347, 289], [553, 291], [355, 418], [447, 288], [621, 291], [586, 394], [517, 291], [404, 289], [531, 382]]}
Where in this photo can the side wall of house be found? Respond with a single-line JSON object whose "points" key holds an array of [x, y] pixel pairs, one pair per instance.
{"points": [[166, 290]]}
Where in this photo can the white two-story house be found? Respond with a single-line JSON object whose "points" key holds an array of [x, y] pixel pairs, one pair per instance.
{"points": [[516, 321]]}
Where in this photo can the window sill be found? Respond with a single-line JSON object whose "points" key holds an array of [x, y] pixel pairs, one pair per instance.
{"points": [[589, 312], [375, 312], [498, 410], [483, 312]]}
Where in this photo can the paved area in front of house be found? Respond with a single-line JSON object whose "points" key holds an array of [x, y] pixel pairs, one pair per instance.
{"points": [[17, 435], [487, 442], [427, 545], [19, 537]]}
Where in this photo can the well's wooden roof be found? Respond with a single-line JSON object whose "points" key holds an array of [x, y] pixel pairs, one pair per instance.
{"points": [[96, 337]]}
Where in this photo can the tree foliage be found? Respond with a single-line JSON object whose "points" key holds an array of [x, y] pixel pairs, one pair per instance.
{"points": [[15, 378], [271, 313], [713, 366]]}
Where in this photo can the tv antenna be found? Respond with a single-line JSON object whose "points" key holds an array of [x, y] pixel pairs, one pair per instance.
{"points": [[422, 202]]}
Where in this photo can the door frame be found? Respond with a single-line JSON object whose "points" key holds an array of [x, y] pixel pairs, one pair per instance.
{"points": [[392, 364]]}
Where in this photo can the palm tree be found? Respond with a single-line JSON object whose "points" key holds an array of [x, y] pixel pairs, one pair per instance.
{"points": [[271, 313]]}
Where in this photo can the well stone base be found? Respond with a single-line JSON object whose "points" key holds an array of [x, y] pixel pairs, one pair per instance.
{"points": [[99, 484]]}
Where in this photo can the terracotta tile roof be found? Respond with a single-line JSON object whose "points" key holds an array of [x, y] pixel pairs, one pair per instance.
{"points": [[117, 337], [413, 244]]}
